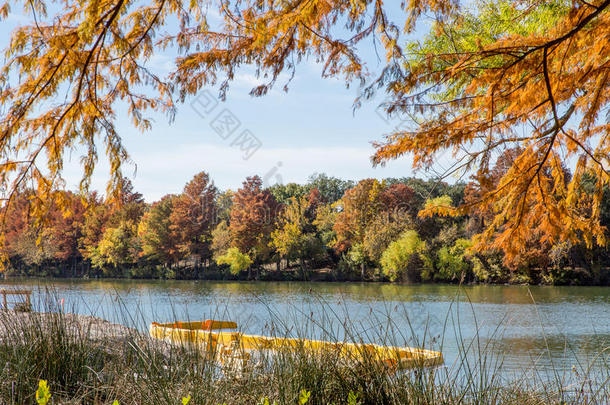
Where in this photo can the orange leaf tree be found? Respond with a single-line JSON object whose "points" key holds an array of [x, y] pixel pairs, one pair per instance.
{"points": [[193, 217], [253, 218]]}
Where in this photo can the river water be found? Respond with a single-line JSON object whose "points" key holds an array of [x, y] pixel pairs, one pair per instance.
{"points": [[523, 328]]}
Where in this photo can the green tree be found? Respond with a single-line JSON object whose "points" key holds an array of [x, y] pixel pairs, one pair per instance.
{"points": [[224, 200], [383, 230], [221, 239], [330, 188], [405, 257], [295, 236], [157, 241], [452, 261], [283, 193], [118, 249], [236, 260]]}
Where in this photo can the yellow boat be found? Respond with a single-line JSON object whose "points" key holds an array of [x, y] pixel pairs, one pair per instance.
{"points": [[232, 345]]}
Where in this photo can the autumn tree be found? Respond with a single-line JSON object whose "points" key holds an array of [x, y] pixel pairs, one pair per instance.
{"points": [[55, 240], [532, 253], [117, 250], [398, 198], [253, 217], [27, 244], [16, 222], [577, 254], [487, 76], [65, 227], [193, 217], [156, 238], [221, 239], [129, 206], [295, 236], [391, 212], [370, 216], [357, 209], [96, 220]]}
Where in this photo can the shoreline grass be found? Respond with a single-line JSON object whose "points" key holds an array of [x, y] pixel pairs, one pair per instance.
{"points": [[87, 361]]}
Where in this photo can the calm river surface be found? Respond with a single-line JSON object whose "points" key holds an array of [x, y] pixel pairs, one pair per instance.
{"points": [[549, 327]]}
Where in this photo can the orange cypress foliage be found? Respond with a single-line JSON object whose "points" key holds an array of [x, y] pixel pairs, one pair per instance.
{"points": [[552, 85], [531, 249]]}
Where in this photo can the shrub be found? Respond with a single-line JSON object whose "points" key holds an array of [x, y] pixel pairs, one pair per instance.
{"points": [[236, 260], [405, 257], [452, 263]]}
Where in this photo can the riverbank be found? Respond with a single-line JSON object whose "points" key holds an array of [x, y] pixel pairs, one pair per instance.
{"points": [[89, 360], [95, 328], [560, 277]]}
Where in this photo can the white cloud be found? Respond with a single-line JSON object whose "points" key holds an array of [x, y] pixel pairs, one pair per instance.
{"points": [[243, 82], [167, 171], [17, 18], [161, 172], [161, 63], [247, 79]]}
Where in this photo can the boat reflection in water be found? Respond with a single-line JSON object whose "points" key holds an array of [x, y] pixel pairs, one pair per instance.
{"points": [[230, 346]]}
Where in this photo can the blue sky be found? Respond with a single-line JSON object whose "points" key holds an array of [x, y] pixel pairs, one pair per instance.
{"points": [[312, 128]]}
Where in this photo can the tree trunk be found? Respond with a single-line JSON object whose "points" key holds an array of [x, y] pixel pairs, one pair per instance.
{"points": [[303, 269]]}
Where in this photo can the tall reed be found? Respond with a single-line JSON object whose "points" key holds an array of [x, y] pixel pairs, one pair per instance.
{"points": [[87, 361]]}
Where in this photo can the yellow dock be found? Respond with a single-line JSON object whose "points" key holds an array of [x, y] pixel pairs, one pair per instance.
{"points": [[229, 345]]}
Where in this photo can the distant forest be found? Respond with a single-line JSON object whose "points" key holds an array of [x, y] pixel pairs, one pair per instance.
{"points": [[326, 229]]}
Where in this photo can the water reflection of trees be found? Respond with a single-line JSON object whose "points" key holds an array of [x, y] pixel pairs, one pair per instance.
{"points": [[552, 352]]}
